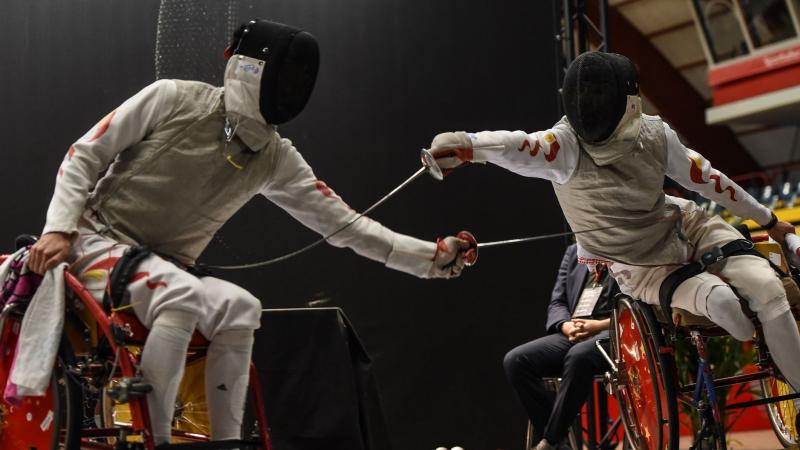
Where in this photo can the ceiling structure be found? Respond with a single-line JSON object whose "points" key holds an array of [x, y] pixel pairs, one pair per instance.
{"points": [[669, 27]]}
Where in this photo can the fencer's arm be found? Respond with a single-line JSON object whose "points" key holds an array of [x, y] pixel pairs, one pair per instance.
{"points": [[294, 187], [550, 154], [92, 153], [692, 171]]}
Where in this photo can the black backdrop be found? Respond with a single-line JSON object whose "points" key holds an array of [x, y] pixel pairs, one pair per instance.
{"points": [[394, 73]]}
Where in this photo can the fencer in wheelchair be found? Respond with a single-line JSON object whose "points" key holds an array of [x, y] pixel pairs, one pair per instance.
{"points": [[734, 287], [607, 162], [178, 160]]}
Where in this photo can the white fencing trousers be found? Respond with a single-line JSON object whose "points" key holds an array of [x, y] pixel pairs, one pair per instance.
{"points": [[218, 309], [751, 276], [159, 284], [163, 363], [227, 370], [724, 309], [783, 340]]}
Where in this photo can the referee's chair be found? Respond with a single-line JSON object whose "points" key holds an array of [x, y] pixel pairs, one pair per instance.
{"points": [[599, 432]]}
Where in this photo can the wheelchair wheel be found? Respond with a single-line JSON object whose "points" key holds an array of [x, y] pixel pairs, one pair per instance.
{"points": [[646, 387], [191, 409], [48, 422], [781, 414]]}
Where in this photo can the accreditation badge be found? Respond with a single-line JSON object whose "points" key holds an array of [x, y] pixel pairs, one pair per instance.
{"points": [[586, 303]]}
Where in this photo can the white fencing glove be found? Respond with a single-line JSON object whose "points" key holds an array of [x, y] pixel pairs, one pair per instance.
{"points": [[451, 150], [449, 259]]}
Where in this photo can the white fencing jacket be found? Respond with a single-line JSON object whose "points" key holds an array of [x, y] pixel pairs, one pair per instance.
{"points": [[635, 190], [151, 195]]}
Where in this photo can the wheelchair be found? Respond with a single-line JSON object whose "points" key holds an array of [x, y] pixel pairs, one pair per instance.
{"points": [[644, 379], [96, 398]]}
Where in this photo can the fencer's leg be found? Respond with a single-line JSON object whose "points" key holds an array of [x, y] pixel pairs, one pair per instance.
{"points": [[163, 362], [170, 302], [783, 342], [227, 376], [756, 281], [233, 315], [706, 294], [725, 310], [165, 298]]}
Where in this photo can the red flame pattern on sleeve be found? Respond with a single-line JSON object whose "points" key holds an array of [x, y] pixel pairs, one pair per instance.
{"points": [[696, 171], [537, 146], [718, 187], [554, 147], [102, 126], [696, 175], [71, 152], [322, 187]]}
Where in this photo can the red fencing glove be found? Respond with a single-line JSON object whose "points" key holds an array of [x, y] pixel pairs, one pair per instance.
{"points": [[471, 253], [449, 259], [451, 150]]}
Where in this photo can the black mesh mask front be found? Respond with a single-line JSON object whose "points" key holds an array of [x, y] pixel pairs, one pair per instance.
{"points": [[595, 93]]}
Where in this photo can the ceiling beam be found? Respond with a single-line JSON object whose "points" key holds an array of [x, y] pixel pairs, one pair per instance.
{"points": [[692, 65], [670, 29], [676, 100]]}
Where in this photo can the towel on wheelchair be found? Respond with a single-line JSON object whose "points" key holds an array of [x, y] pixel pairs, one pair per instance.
{"points": [[42, 300]]}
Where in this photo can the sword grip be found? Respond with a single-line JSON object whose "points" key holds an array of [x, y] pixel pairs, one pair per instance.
{"points": [[471, 254]]}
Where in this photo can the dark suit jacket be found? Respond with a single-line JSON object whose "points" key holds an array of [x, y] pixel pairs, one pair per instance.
{"points": [[567, 291]]}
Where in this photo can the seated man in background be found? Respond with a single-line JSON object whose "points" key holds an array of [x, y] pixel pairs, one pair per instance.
{"points": [[576, 318]]}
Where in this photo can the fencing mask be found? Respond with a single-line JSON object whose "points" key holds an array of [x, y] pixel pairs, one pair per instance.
{"points": [[291, 62], [595, 93]]}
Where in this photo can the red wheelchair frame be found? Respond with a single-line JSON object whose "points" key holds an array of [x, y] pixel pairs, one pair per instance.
{"points": [[45, 423]]}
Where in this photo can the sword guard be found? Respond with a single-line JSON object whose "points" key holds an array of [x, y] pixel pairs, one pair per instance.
{"points": [[430, 163], [471, 254]]}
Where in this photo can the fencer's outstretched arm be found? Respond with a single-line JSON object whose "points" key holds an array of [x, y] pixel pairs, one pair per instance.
{"points": [[692, 171], [296, 189], [92, 153], [550, 154]]}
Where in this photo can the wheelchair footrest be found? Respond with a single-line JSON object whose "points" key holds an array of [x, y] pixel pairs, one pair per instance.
{"points": [[215, 445], [124, 389]]}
